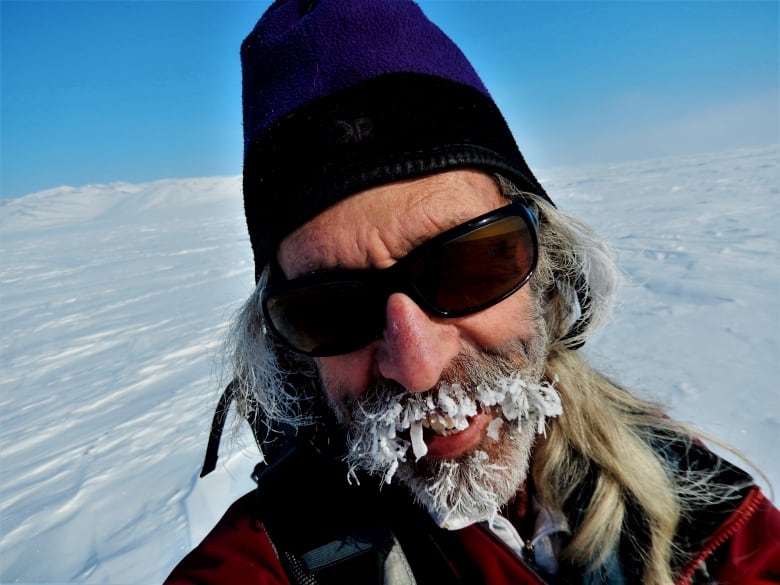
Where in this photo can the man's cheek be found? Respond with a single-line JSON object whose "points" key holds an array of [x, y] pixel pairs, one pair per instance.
{"points": [[344, 377]]}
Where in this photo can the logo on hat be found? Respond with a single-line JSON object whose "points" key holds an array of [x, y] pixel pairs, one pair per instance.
{"points": [[351, 131]]}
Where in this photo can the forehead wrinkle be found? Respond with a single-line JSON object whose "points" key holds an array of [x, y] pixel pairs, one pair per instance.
{"points": [[381, 245], [439, 212], [369, 246], [425, 207], [385, 244], [445, 209]]}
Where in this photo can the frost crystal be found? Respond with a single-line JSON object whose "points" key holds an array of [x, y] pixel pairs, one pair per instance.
{"points": [[449, 410], [418, 444], [494, 428]]}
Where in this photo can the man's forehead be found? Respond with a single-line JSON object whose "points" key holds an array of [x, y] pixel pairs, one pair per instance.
{"points": [[381, 225]]}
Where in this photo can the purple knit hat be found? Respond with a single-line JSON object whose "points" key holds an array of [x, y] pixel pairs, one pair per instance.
{"points": [[343, 95]]}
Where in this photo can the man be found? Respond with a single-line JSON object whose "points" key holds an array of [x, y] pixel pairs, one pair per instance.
{"points": [[409, 358]]}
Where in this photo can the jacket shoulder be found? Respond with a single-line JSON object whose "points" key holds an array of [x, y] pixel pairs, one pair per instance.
{"points": [[751, 553], [237, 550]]}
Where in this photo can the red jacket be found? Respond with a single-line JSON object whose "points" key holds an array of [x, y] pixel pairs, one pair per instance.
{"points": [[238, 550]]}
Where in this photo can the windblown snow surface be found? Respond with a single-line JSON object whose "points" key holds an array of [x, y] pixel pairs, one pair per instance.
{"points": [[115, 298]]}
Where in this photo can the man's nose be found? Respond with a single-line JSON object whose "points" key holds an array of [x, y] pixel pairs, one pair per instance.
{"points": [[416, 349]]}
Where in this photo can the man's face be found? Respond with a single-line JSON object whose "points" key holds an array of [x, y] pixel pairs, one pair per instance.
{"points": [[424, 363]]}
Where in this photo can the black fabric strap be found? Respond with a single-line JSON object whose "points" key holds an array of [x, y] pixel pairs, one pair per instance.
{"points": [[217, 426], [271, 450]]}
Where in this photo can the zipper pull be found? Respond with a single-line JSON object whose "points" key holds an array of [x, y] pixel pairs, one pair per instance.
{"points": [[529, 552]]}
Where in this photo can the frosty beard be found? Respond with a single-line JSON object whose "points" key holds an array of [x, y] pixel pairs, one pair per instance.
{"points": [[386, 422]]}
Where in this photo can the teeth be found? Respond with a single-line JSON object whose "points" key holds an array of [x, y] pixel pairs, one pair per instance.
{"points": [[439, 424]]}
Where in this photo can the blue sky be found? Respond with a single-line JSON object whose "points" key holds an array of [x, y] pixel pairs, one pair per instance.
{"points": [[104, 91]]}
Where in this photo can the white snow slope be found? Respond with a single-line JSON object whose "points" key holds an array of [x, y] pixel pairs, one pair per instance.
{"points": [[114, 299]]}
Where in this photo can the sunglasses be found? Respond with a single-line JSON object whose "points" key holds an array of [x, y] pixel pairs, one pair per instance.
{"points": [[461, 271]]}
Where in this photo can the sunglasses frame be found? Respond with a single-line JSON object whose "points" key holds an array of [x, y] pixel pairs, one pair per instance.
{"points": [[397, 278]]}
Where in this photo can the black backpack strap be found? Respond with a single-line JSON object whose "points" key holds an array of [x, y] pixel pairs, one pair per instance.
{"points": [[271, 450], [217, 426]]}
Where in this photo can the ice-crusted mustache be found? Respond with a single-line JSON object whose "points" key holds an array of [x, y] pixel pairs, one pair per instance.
{"points": [[378, 422]]}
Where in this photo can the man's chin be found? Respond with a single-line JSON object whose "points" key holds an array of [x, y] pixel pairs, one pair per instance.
{"points": [[474, 486]]}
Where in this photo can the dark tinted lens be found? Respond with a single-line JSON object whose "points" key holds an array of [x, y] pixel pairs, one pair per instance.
{"points": [[327, 318], [478, 268]]}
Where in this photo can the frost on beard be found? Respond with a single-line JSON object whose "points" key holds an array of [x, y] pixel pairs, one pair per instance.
{"points": [[382, 447]]}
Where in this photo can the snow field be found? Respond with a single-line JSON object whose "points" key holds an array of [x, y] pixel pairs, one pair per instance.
{"points": [[114, 300]]}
